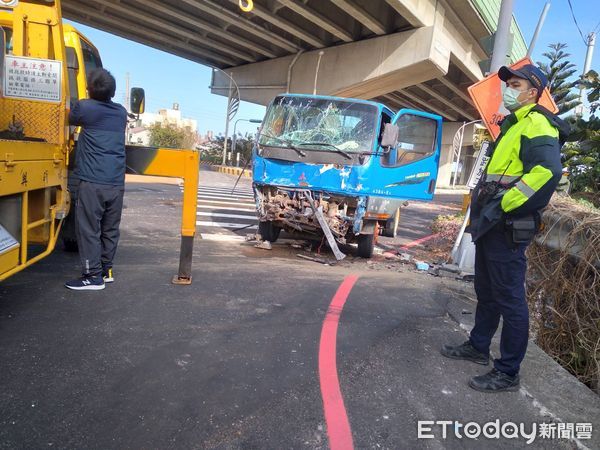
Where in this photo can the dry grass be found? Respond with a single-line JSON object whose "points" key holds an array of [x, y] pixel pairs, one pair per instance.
{"points": [[564, 292]]}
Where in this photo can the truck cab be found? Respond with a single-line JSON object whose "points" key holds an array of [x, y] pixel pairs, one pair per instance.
{"points": [[329, 153]]}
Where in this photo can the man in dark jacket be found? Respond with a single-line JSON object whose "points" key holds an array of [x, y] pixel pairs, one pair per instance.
{"points": [[518, 182], [100, 167]]}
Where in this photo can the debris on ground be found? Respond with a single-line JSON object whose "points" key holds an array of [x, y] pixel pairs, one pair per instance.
{"points": [[405, 257], [265, 245], [391, 255], [323, 261], [301, 245], [421, 265]]}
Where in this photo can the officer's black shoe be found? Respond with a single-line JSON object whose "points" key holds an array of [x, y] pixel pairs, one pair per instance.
{"points": [[495, 381], [465, 351]]}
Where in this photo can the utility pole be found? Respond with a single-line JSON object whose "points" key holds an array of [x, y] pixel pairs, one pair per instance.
{"points": [[538, 28], [227, 126], [502, 37], [591, 42], [127, 99], [463, 253]]}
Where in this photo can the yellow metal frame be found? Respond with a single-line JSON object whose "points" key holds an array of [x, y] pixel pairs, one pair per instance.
{"points": [[184, 164], [35, 170], [38, 171]]}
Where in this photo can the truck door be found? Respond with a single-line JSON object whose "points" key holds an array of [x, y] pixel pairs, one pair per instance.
{"points": [[411, 167]]}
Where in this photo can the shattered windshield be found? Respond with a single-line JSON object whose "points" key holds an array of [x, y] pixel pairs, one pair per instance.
{"points": [[320, 124]]}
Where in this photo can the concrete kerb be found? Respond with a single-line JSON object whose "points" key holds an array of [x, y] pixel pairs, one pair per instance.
{"points": [[544, 382], [236, 171]]}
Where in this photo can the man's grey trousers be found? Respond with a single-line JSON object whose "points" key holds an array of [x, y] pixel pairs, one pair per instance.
{"points": [[98, 215]]}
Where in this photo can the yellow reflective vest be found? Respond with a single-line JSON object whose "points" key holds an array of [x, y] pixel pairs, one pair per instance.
{"points": [[526, 162]]}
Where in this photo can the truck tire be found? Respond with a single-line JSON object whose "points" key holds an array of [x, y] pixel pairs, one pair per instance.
{"points": [[366, 244], [391, 225], [268, 231]]}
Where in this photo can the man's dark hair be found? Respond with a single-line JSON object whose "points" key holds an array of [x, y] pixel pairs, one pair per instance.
{"points": [[101, 85]]}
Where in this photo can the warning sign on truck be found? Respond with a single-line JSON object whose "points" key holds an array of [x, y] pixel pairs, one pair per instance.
{"points": [[32, 79]]}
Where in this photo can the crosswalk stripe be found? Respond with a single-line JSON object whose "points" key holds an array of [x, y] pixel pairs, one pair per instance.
{"points": [[204, 223], [229, 216], [227, 197], [201, 195], [223, 202], [209, 189], [222, 237], [228, 208], [237, 188]]}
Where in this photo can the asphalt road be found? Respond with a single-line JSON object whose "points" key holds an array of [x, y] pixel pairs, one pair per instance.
{"points": [[232, 361]]}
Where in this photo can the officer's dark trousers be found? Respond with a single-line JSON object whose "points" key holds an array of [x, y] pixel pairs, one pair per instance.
{"points": [[98, 214], [500, 286]]}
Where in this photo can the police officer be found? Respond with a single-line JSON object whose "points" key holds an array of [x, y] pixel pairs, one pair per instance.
{"points": [[519, 180]]}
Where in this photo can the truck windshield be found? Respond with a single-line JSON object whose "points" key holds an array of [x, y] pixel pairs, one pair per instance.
{"points": [[320, 124]]}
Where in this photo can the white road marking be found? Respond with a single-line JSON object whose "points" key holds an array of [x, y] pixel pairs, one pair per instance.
{"points": [[229, 216], [228, 190], [222, 237], [228, 208], [226, 202], [203, 223], [226, 197]]}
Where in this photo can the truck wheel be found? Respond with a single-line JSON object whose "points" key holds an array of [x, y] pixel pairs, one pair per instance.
{"points": [[391, 225], [366, 244], [268, 231]]}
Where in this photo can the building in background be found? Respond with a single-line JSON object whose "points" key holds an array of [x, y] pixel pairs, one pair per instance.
{"points": [[139, 133]]}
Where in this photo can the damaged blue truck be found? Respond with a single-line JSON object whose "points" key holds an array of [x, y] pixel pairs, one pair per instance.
{"points": [[342, 164]]}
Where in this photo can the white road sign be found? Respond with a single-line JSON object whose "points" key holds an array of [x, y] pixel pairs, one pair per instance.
{"points": [[480, 164]]}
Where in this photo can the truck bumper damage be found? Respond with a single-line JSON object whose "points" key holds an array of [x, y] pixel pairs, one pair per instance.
{"points": [[295, 211]]}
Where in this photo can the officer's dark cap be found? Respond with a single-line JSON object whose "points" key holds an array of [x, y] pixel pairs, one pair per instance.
{"points": [[528, 72]]}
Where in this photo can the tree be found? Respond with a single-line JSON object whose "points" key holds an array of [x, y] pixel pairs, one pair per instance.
{"points": [[558, 69], [582, 157], [170, 136]]}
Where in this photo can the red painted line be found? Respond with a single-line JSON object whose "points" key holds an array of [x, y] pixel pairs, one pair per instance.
{"points": [[418, 241], [338, 426]]}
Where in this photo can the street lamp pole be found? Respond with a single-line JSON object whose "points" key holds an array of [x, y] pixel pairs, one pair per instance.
{"points": [[229, 102], [234, 138]]}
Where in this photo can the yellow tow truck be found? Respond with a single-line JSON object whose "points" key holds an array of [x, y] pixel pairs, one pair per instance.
{"points": [[43, 71]]}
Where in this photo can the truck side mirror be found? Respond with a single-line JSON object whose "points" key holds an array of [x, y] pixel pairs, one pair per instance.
{"points": [[72, 61], [390, 135], [137, 102]]}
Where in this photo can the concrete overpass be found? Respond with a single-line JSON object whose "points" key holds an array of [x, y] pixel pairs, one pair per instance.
{"points": [[420, 54]]}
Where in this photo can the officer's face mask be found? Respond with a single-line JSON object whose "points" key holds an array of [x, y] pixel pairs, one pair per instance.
{"points": [[510, 98]]}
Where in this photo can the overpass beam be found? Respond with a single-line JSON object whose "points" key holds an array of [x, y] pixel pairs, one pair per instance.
{"points": [[199, 24], [285, 25], [444, 100], [419, 13], [424, 104], [217, 10], [454, 88], [361, 15], [364, 69], [318, 19]]}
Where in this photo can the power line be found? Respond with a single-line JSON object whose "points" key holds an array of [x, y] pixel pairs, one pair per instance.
{"points": [[585, 42]]}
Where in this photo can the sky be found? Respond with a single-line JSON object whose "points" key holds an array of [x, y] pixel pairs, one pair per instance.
{"points": [[169, 79]]}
